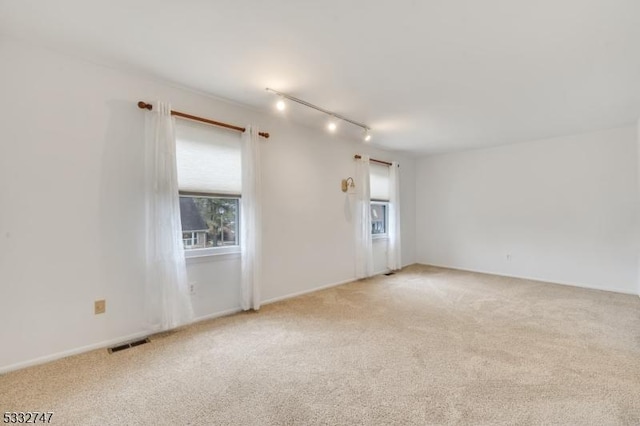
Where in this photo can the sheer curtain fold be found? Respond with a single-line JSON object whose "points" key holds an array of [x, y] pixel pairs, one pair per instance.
{"points": [[167, 293], [251, 220], [364, 243], [394, 260]]}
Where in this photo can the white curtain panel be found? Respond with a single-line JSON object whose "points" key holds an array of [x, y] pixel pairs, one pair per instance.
{"points": [[167, 293], [364, 243], [394, 261], [251, 220]]}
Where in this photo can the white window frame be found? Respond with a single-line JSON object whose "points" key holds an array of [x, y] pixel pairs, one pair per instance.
{"points": [[386, 220], [193, 238], [214, 251]]}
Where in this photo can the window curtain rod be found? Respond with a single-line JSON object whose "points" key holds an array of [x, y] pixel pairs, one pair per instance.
{"points": [[144, 105], [386, 163]]}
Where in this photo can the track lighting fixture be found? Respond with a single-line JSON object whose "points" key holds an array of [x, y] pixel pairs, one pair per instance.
{"points": [[332, 126]]}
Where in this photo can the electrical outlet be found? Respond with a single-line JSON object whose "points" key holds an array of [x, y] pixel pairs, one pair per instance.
{"points": [[99, 306], [192, 287]]}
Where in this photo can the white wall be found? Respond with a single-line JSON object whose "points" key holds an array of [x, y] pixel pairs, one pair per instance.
{"points": [[71, 212], [564, 209]]}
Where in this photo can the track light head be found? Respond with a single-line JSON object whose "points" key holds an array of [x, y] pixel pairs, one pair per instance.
{"points": [[280, 105], [332, 126], [367, 136]]}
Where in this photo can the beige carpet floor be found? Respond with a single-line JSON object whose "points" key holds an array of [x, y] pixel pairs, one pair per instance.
{"points": [[424, 346]]}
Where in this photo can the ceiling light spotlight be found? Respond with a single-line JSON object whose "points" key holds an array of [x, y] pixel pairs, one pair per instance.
{"points": [[367, 136], [334, 118]]}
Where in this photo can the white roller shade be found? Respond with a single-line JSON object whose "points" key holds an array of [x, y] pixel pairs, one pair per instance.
{"points": [[379, 181], [208, 159]]}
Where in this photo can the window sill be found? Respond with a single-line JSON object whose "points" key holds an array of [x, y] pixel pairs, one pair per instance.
{"points": [[200, 255]]}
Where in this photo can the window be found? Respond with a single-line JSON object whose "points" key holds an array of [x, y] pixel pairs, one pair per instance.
{"points": [[379, 185], [189, 239], [379, 218], [209, 178], [209, 222]]}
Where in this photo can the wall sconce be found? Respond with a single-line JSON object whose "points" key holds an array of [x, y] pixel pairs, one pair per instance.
{"points": [[348, 185]]}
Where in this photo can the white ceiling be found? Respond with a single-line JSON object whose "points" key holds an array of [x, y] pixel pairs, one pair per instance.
{"points": [[426, 75]]}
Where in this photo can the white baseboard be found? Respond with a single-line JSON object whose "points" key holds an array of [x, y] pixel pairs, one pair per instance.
{"points": [[112, 342], [313, 290], [571, 284], [103, 344], [217, 315], [300, 293], [70, 352]]}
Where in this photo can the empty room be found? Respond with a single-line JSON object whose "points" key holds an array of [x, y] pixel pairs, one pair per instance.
{"points": [[320, 213]]}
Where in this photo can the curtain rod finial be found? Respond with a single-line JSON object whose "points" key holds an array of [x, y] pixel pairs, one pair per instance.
{"points": [[144, 105]]}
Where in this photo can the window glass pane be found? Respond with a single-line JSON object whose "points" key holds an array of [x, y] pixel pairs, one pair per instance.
{"points": [[378, 218], [209, 222]]}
